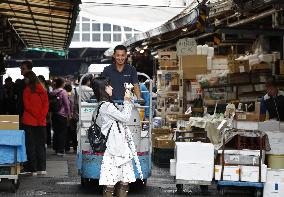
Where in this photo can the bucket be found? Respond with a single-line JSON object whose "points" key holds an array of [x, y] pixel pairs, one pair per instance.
{"points": [[276, 161]]}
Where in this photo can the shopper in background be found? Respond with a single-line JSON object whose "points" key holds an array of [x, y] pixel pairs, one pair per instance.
{"points": [[120, 72], [34, 121], [71, 139], [117, 160], [25, 67], [272, 102], [86, 90], [59, 119], [10, 106], [48, 116]]}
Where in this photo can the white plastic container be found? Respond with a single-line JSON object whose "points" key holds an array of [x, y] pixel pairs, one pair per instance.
{"points": [[209, 63], [275, 175], [194, 171], [251, 173], [273, 189], [210, 51], [199, 49], [204, 50]]}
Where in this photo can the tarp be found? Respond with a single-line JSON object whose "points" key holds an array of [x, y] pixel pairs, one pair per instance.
{"points": [[139, 15], [9, 140]]}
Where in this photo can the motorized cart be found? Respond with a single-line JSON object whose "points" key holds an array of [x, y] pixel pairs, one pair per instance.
{"points": [[89, 162]]}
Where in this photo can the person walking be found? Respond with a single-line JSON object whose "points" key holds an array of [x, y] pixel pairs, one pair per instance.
{"points": [[35, 106], [59, 118], [117, 160]]}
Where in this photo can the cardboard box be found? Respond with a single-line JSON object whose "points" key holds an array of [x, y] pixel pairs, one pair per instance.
{"points": [[281, 67], [231, 173], [194, 171], [158, 135], [251, 173], [194, 152], [275, 175], [167, 55], [9, 122], [193, 65], [166, 64], [162, 130], [247, 116], [241, 66], [165, 141], [261, 66], [273, 189]]}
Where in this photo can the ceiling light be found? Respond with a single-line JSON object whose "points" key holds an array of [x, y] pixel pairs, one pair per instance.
{"points": [[142, 51]]}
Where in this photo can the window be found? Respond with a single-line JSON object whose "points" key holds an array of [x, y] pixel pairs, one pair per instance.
{"points": [[107, 37], [107, 27], [76, 37], [128, 36], [116, 37], [116, 28], [96, 37], [136, 34], [78, 19], [86, 37], [85, 26], [96, 27], [127, 29], [85, 19], [77, 28]]}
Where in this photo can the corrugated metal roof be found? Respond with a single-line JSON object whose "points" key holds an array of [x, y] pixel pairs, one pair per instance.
{"points": [[42, 23]]}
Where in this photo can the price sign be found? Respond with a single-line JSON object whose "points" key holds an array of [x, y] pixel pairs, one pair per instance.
{"points": [[186, 46]]}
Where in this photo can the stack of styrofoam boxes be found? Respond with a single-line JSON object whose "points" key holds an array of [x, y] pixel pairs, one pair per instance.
{"points": [[243, 166], [194, 161], [274, 186]]}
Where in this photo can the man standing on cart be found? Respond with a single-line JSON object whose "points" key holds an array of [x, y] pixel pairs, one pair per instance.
{"points": [[120, 72]]}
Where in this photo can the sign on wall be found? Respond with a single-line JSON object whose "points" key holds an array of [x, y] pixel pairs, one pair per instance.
{"points": [[186, 46]]}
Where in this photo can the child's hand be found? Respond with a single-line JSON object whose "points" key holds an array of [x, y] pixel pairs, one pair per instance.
{"points": [[127, 95]]}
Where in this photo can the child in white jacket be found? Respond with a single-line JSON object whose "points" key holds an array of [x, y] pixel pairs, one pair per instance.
{"points": [[117, 161]]}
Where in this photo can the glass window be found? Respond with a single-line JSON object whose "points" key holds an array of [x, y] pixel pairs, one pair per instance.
{"points": [[107, 27], [107, 37], [127, 29], [96, 37], [116, 28], [76, 37], [85, 19], [85, 26], [128, 36], [136, 34], [77, 28], [86, 37], [116, 37], [96, 27]]}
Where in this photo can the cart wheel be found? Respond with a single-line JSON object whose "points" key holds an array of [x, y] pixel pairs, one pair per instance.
{"points": [[221, 191], [17, 183], [204, 189], [258, 192], [179, 188], [84, 182], [13, 186]]}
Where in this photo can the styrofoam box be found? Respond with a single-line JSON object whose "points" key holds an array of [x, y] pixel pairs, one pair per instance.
{"points": [[251, 173], [194, 152], [242, 157], [275, 175], [173, 167], [231, 173], [247, 125], [276, 141], [270, 125], [194, 171], [273, 189]]}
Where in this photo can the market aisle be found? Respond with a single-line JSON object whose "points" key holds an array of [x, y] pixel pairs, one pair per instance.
{"points": [[62, 181]]}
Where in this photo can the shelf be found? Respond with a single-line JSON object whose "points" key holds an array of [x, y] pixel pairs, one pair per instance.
{"points": [[231, 85]]}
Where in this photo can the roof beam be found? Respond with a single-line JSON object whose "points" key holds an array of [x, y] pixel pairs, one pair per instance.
{"points": [[13, 18], [24, 24], [4, 10], [39, 32], [20, 27]]}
